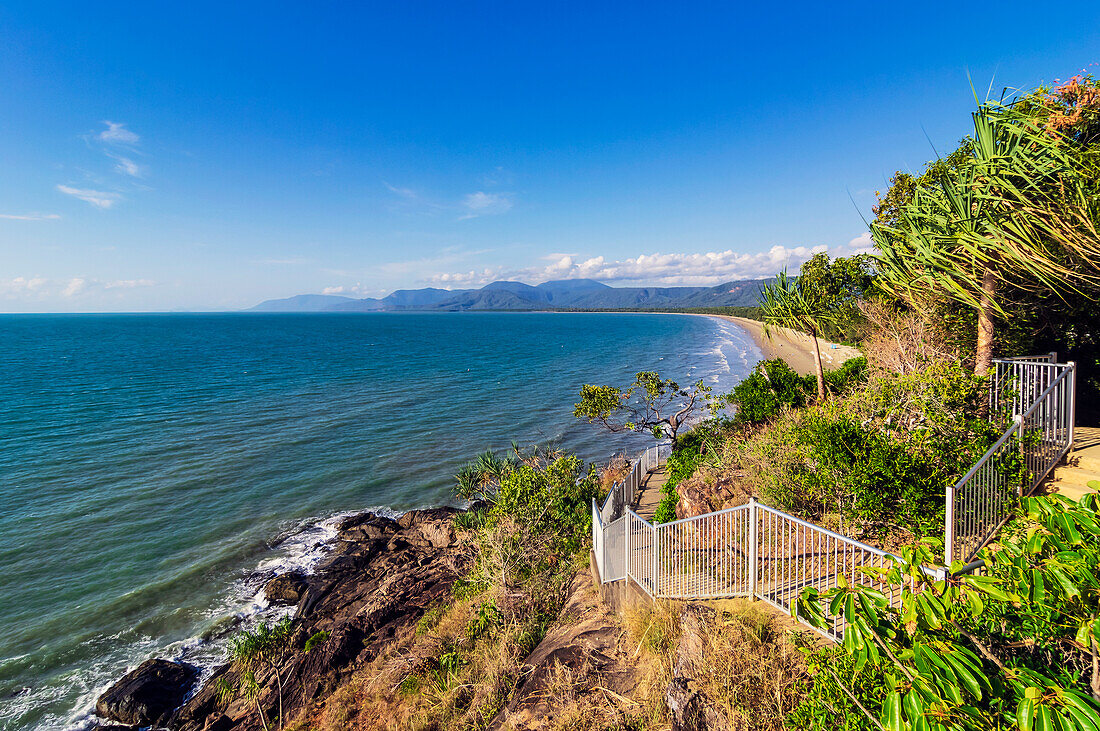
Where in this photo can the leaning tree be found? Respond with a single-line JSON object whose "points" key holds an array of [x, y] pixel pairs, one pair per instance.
{"points": [[650, 404], [1014, 215], [793, 303]]}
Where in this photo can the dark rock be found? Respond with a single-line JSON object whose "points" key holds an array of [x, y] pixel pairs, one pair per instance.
{"points": [[690, 709], [419, 517], [286, 588], [367, 594], [148, 693], [218, 722], [366, 527]]}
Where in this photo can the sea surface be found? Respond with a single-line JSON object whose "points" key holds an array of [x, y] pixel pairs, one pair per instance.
{"points": [[156, 469]]}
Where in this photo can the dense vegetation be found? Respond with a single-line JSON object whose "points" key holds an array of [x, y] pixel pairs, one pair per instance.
{"points": [[1016, 647]]}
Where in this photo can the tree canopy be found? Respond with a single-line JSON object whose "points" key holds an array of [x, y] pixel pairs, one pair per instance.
{"points": [[649, 404], [1011, 214]]}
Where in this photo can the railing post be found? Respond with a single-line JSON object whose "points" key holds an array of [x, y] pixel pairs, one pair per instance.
{"points": [[754, 552], [653, 547], [1019, 419], [949, 528], [1072, 377], [626, 544]]}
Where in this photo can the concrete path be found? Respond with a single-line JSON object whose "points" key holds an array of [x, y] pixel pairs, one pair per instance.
{"points": [[1082, 465], [649, 497]]}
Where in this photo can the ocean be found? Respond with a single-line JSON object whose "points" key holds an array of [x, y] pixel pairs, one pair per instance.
{"points": [[156, 469]]}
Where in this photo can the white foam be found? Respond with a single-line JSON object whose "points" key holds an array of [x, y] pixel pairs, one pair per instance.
{"points": [[243, 605]]}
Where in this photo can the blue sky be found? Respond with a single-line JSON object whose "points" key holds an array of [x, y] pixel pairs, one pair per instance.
{"points": [[208, 156]]}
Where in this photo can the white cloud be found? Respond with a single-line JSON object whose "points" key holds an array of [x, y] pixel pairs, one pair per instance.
{"points": [[862, 244], [75, 286], [30, 216], [403, 192], [126, 166], [354, 290], [21, 286], [116, 133], [128, 283], [485, 204], [42, 288], [98, 198], [708, 268]]}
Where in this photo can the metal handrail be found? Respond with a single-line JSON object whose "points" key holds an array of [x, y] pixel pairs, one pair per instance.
{"points": [[832, 534], [728, 555], [989, 518]]}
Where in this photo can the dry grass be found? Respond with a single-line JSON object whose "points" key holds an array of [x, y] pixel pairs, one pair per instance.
{"points": [[617, 469], [748, 667], [752, 671], [904, 342]]}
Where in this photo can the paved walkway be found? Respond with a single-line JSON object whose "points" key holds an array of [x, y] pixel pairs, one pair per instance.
{"points": [[1082, 465], [649, 497]]}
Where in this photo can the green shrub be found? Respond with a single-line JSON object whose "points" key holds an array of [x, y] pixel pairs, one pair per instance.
{"points": [[770, 387], [315, 640], [431, 618], [1015, 647], [554, 499], [850, 376], [882, 456], [685, 457]]}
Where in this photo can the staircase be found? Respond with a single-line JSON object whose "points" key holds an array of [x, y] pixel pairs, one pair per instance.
{"points": [[650, 495], [1081, 466]]}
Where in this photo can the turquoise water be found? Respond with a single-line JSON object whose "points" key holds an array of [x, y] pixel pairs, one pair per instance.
{"points": [[154, 469]]}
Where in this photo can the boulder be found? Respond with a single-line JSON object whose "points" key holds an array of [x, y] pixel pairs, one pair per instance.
{"points": [[419, 517], [147, 694], [695, 498], [366, 527], [286, 588]]}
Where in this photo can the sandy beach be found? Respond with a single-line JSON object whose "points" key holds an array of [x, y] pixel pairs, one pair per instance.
{"points": [[794, 347]]}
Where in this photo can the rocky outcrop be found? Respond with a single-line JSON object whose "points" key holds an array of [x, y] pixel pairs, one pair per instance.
{"points": [[585, 642], [286, 588], [147, 694], [690, 708], [709, 490], [374, 587]]}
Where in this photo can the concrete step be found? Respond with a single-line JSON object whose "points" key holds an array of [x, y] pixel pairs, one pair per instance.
{"points": [[1073, 492], [1088, 460], [1076, 475]]}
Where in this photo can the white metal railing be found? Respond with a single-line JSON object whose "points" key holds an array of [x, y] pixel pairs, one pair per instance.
{"points": [[597, 540], [615, 550], [1038, 394], [759, 552], [748, 551], [625, 492], [705, 556], [1017, 382]]}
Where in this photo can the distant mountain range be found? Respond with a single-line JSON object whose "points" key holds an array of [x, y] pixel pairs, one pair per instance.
{"points": [[568, 294]]}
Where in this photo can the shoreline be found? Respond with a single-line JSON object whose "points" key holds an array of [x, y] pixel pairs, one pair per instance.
{"points": [[317, 551], [796, 348]]}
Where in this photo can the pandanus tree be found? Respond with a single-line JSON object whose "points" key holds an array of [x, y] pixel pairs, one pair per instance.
{"points": [[1014, 215], [262, 649], [792, 303]]}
